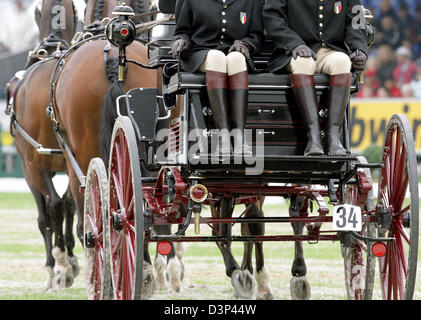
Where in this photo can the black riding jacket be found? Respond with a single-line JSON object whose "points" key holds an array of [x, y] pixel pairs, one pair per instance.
{"points": [[216, 24], [290, 23]]}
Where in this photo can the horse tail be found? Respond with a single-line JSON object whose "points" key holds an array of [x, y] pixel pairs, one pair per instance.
{"points": [[109, 112]]}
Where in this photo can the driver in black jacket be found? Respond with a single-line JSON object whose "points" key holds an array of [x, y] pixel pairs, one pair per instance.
{"points": [[318, 36], [218, 37]]}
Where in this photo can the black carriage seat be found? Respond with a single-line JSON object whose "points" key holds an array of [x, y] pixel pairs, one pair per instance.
{"points": [[257, 81]]}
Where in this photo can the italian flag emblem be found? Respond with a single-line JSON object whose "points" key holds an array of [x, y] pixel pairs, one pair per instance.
{"points": [[243, 17], [338, 7]]}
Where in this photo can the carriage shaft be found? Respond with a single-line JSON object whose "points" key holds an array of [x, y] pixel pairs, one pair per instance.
{"points": [[205, 220], [312, 238]]}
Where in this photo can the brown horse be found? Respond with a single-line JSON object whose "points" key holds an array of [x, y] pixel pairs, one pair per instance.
{"points": [[31, 96], [79, 95]]}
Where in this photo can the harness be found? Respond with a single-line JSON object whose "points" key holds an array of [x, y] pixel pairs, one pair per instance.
{"points": [[43, 50]]}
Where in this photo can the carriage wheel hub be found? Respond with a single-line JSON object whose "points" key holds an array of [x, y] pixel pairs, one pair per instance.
{"points": [[117, 221], [385, 218], [89, 240]]}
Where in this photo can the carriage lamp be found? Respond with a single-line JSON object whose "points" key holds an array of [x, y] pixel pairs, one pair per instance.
{"points": [[379, 249], [121, 31]]}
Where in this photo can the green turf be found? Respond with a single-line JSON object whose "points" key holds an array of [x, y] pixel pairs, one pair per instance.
{"points": [[23, 276], [17, 200]]}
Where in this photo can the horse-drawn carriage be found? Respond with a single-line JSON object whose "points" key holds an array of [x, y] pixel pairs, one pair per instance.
{"points": [[169, 132]]}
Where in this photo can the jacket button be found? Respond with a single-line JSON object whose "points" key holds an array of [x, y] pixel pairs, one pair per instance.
{"points": [[224, 21]]}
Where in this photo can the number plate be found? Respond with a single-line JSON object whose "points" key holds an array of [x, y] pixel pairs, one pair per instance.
{"points": [[347, 217]]}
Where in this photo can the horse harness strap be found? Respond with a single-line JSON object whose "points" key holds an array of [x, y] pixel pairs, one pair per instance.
{"points": [[107, 50]]}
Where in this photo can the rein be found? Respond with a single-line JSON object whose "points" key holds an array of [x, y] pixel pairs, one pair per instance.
{"points": [[147, 25], [145, 14]]}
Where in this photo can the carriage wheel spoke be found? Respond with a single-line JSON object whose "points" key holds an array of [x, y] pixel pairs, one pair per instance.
{"points": [[401, 255], [402, 231], [400, 196], [118, 190]]}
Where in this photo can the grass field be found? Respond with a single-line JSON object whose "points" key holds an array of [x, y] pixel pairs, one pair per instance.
{"points": [[23, 276]]}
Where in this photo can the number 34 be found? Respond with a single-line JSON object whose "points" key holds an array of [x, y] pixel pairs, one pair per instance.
{"points": [[347, 217]]}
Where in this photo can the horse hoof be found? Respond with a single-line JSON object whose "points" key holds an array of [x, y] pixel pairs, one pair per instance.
{"points": [[149, 284], [160, 266], [63, 280], [264, 295], [300, 288], [174, 271], [75, 265], [243, 283]]}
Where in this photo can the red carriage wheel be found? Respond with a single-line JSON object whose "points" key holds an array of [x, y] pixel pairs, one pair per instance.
{"points": [[359, 261], [95, 239], [398, 179], [125, 214]]}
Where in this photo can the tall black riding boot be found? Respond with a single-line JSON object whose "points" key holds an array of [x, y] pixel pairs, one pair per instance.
{"points": [[218, 99], [305, 97], [337, 102], [239, 94]]}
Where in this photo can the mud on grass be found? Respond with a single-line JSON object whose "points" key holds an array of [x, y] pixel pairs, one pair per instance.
{"points": [[23, 275]]}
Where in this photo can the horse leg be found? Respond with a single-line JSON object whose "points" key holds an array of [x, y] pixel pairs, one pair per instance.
{"points": [[180, 249], [299, 286], [241, 280], [63, 270], [149, 283], [69, 240], [264, 290], [160, 266], [177, 264], [78, 200], [46, 228], [168, 268]]}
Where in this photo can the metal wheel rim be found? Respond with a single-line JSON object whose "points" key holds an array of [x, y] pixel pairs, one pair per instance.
{"points": [[127, 281], [399, 175], [95, 204]]}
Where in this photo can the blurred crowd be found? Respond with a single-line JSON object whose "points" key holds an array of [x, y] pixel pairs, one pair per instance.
{"points": [[394, 64], [18, 29]]}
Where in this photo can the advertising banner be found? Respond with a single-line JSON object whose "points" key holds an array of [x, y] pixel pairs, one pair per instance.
{"points": [[369, 119]]}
